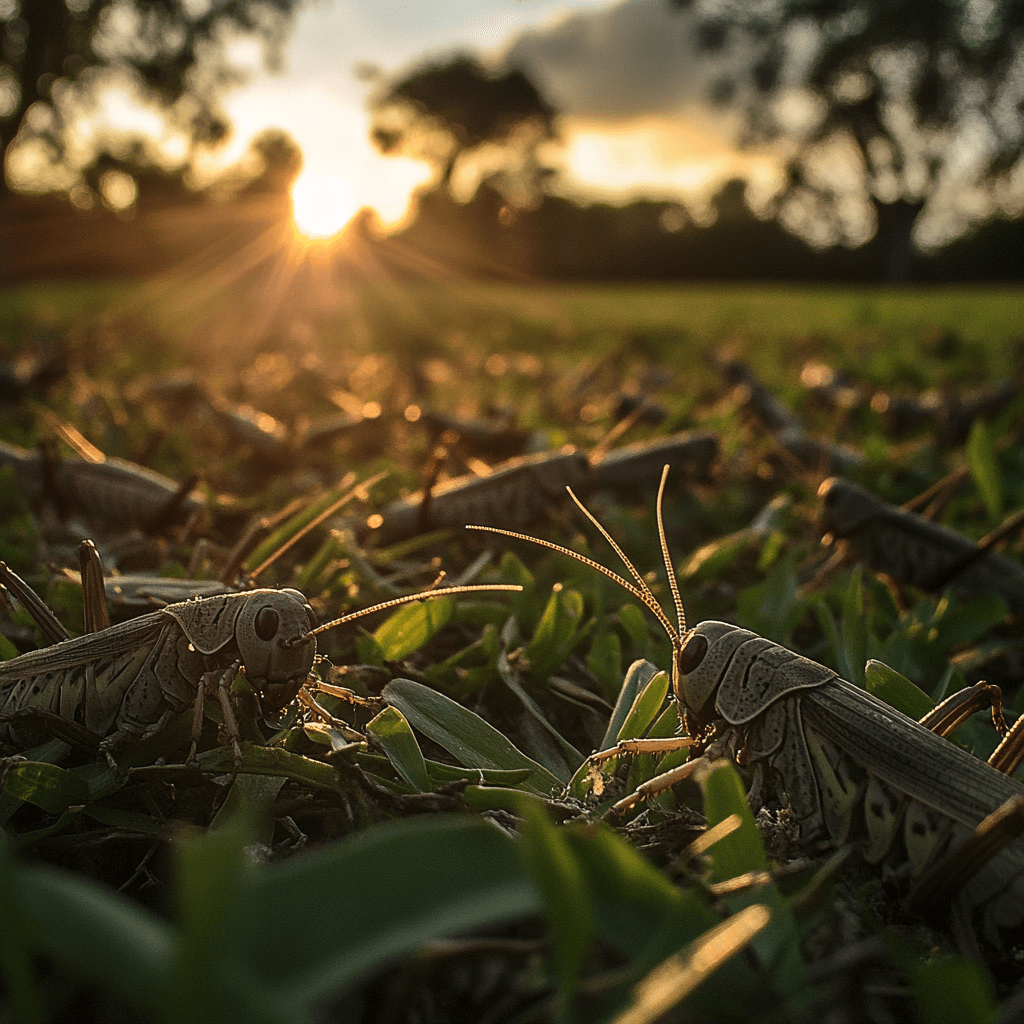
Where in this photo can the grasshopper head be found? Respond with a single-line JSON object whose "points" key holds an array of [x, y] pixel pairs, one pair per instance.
{"points": [[698, 665], [273, 632], [845, 507]]}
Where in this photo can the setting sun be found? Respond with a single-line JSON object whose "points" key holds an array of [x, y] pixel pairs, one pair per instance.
{"points": [[322, 204]]}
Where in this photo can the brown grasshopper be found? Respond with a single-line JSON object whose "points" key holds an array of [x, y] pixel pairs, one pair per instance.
{"points": [[519, 490], [850, 768], [914, 550], [110, 490], [123, 683]]}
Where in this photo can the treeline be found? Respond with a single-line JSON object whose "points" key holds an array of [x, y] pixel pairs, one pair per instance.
{"points": [[559, 240]]}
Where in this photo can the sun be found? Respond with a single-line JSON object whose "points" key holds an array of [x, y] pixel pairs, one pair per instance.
{"points": [[322, 204]]}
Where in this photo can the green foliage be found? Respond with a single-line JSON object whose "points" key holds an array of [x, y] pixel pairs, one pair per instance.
{"points": [[392, 733], [557, 634], [981, 457], [951, 989], [772, 608], [222, 953], [896, 690], [45, 785], [471, 740], [506, 697], [916, 641], [19, 538], [561, 882], [412, 626]]}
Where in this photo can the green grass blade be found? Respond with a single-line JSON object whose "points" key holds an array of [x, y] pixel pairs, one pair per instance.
{"points": [[412, 626], [394, 736], [352, 907], [646, 708], [97, 935], [256, 760], [896, 690], [552, 864], [740, 852], [853, 650], [510, 678], [24, 995], [981, 458], [638, 675], [45, 785], [465, 735]]}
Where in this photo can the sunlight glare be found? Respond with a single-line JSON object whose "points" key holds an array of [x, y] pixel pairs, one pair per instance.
{"points": [[322, 204]]}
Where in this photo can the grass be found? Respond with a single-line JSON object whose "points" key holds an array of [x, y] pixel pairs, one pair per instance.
{"points": [[454, 819]]}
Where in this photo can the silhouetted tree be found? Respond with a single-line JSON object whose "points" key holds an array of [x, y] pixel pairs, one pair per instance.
{"points": [[896, 105], [449, 112], [280, 160], [57, 54]]}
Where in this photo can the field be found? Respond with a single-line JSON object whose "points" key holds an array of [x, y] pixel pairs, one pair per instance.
{"points": [[439, 848]]}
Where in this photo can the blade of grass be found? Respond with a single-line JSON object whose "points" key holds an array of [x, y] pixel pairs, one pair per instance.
{"points": [[472, 741]]}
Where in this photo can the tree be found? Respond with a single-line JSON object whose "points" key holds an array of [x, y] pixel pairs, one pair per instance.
{"points": [[59, 55], [457, 116], [895, 117]]}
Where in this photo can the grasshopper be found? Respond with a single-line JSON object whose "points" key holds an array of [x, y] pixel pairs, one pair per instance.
{"points": [[851, 769], [123, 683], [110, 490], [914, 550], [519, 490]]}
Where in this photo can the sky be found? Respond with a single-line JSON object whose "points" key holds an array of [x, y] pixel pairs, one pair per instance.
{"points": [[624, 75], [628, 82]]}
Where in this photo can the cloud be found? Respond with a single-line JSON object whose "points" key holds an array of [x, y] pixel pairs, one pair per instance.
{"points": [[633, 89], [630, 60]]}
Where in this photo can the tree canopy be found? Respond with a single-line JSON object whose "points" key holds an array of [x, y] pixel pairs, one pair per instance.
{"points": [[454, 113], [892, 114], [169, 56]]}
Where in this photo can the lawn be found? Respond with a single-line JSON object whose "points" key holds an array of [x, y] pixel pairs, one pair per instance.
{"points": [[438, 840]]}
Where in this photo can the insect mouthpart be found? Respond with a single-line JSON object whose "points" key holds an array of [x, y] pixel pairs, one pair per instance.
{"points": [[278, 694]]}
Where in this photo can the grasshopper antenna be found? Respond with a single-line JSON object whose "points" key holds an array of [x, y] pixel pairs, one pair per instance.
{"points": [[640, 590], [666, 556], [425, 595]]}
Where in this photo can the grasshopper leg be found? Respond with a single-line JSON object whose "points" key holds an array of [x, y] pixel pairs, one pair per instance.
{"points": [[307, 699], [376, 703], [642, 746], [94, 597], [958, 707], [659, 784], [1007, 757], [197, 721], [954, 710], [938, 886], [51, 626], [220, 683], [230, 722]]}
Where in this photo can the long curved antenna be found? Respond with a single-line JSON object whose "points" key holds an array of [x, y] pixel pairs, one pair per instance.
{"points": [[425, 595], [643, 595], [634, 572], [666, 557]]}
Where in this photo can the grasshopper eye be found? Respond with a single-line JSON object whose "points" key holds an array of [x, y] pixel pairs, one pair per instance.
{"points": [[267, 621], [691, 654]]}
